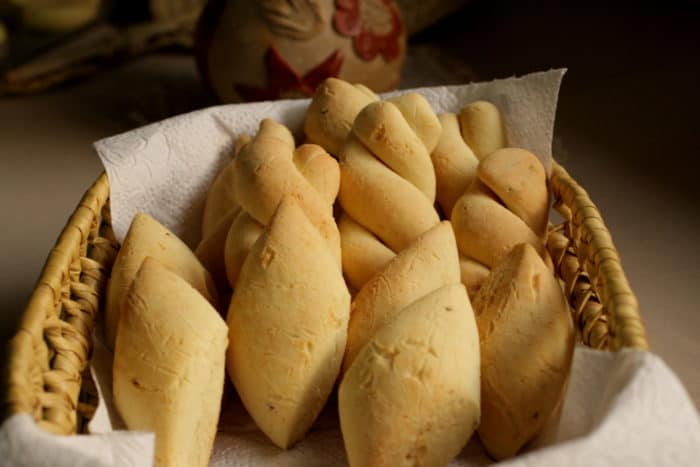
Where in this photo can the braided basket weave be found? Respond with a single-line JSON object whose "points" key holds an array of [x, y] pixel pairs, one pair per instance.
{"points": [[48, 359]]}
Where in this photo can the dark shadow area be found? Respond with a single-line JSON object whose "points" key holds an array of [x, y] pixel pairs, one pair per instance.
{"points": [[632, 80]]}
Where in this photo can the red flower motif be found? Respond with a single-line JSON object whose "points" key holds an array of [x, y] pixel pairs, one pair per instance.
{"points": [[284, 82], [374, 25]]}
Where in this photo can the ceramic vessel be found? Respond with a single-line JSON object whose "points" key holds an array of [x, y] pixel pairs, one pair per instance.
{"points": [[269, 49]]}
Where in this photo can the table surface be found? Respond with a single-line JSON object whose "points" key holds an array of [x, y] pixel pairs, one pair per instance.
{"points": [[627, 130]]}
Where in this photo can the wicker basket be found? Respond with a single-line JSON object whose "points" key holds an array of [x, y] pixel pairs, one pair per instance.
{"points": [[49, 354]]}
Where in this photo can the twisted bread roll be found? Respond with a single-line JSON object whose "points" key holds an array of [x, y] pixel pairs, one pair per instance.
{"points": [[287, 326], [333, 108], [486, 230], [496, 197], [169, 360], [268, 168], [483, 128], [473, 274], [466, 139], [487, 225], [455, 164], [241, 236], [429, 263], [412, 395], [147, 237], [320, 170], [220, 209], [387, 178], [210, 250], [401, 133], [527, 342], [221, 197], [456, 169], [362, 253], [519, 180]]}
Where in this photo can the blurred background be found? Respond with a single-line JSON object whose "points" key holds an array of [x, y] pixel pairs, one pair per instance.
{"points": [[628, 124]]}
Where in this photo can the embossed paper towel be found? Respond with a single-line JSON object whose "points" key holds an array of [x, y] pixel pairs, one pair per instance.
{"points": [[165, 169]]}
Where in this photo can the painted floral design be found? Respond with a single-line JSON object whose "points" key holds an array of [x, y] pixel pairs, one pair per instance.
{"points": [[374, 25], [285, 82]]}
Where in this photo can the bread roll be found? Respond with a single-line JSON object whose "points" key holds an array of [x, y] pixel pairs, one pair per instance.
{"points": [[287, 326], [412, 395], [210, 250], [221, 198], [241, 237], [169, 359], [495, 202], [518, 178], [146, 237], [483, 128], [363, 254], [455, 164], [333, 108], [473, 274], [420, 117], [486, 231], [387, 179], [319, 169], [270, 167], [382, 202], [527, 341], [266, 171], [383, 129], [429, 263]]}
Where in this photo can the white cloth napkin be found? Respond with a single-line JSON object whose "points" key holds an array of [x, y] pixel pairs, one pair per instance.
{"points": [[622, 408]]}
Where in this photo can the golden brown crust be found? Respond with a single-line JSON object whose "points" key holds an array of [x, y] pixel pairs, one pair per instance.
{"points": [[363, 254], [242, 234], [527, 341], [386, 133], [518, 178], [287, 326], [473, 274], [383, 202], [210, 250], [483, 128], [221, 199], [147, 237], [412, 395], [429, 263], [320, 169], [333, 108], [455, 164], [387, 176], [267, 170], [487, 231], [169, 359], [420, 117], [267, 167]]}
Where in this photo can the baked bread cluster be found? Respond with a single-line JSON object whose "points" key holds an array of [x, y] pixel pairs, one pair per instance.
{"points": [[396, 255]]}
